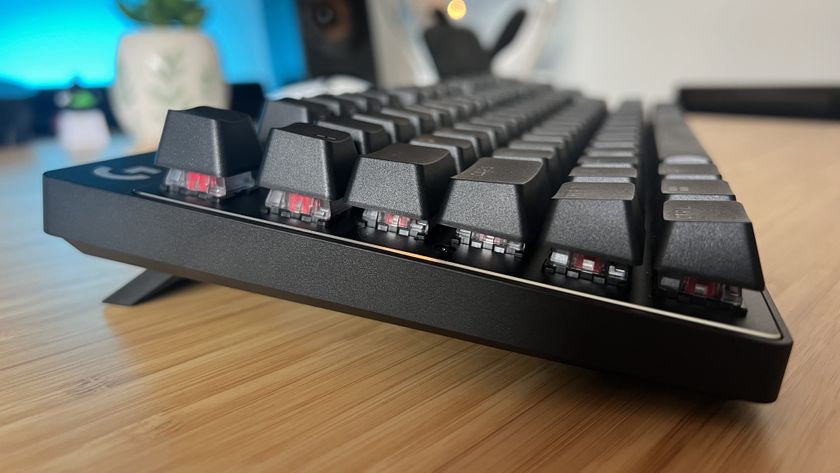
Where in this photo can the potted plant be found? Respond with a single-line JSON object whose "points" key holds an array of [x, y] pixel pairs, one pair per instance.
{"points": [[168, 64]]}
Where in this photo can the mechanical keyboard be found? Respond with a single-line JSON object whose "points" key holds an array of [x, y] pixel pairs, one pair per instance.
{"points": [[497, 211]]}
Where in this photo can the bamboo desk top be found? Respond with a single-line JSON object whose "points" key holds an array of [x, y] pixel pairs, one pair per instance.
{"points": [[211, 378]]}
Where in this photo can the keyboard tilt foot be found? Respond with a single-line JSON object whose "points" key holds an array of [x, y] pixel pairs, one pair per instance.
{"points": [[148, 285]]}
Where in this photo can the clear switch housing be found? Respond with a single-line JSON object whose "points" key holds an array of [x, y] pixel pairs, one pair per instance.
{"points": [[593, 268], [302, 207], [489, 242], [394, 223], [207, 186], [700, 290]]}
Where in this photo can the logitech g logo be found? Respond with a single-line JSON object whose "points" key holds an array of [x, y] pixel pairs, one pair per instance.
{"points": [[134, 173]]}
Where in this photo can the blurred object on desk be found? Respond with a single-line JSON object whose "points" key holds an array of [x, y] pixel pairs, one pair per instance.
{"points": [[15, 113], [168, 65], [469, 57], [334, 85], [36, 114], [803, 102], [81, 125]]}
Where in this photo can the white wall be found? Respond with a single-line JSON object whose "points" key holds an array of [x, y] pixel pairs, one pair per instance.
{"points": [[646, 48]]}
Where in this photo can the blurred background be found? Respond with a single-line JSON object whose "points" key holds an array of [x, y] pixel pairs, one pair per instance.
{"points": [[87, 70]]}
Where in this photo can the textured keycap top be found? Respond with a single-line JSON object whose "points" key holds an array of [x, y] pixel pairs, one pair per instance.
{"points": [[548, 158]]}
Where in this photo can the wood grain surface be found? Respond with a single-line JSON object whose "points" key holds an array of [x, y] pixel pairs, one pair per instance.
{"points": [[211, 378]]}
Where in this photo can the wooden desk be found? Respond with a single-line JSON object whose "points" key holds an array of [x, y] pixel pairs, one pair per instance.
{"points": [[217, 379]]}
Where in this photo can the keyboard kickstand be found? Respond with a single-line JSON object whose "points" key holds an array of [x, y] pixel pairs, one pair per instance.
{"points": [[148, 285]]}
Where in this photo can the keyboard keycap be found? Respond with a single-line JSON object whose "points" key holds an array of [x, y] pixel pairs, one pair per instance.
{"points": [[363, 103], [674, 140], [338, 106], [566, 144], [211, 153], [516, 121], [399, 129], [284, 112], [593, 174], [441, 117], [593, 162], [497, 204], [479, 139], [681, 189], [611, 153], [455, 111], [400, 187], [385, 98], [210, 141], [548, 159], [422, 122], [408, 95], [709, 241], [597, 144], [689, 171], [469, 105], [496, 135], [567, 132], [368, 137], [557, 148], [461, 151], [505, 127], [595, 231], [307, 168], [613, 136]]}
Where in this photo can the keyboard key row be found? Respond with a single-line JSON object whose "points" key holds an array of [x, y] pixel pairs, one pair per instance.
{"points": [[407, 175], [596, 225], [499, 203], [706, 250], [398, 186], [494, 172], [402, 120]]}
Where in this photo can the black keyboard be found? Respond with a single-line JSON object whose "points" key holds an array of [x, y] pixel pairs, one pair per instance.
{"points": [[506, 213]]}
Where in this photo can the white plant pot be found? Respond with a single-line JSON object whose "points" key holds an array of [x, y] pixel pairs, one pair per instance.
{"points": [[164, 68]]}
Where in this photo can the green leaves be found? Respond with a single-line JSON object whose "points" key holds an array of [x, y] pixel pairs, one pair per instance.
{"points": [[165, 12]]}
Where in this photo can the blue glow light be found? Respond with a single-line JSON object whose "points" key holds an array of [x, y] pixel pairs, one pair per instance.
{"points": [[49, 43]]}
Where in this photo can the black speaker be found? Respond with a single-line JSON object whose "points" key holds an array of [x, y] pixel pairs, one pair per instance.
{"points": [[336, 38]]}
